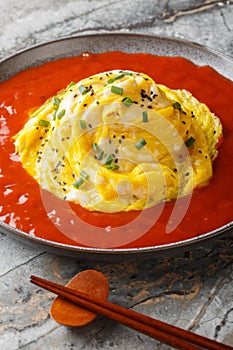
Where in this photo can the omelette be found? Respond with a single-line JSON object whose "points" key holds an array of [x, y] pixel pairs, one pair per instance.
{"points": [[117, 141]]}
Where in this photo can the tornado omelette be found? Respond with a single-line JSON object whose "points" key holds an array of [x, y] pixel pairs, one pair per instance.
{"points": [[117, 141]]}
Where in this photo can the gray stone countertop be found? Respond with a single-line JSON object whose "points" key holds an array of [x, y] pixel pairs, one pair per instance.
{"points": [[193, 289]]}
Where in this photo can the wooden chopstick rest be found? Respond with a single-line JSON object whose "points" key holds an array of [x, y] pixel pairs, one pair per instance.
{"points": [[90, 282]]}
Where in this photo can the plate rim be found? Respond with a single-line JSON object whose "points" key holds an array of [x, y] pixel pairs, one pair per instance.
{"points": [[87, 251]]}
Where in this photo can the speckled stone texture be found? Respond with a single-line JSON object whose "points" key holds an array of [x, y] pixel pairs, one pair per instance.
{"points": [[193, 289]]}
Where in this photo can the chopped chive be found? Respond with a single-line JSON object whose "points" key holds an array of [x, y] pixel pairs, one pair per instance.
{"points": [[145, 117], [95, 146], [127, 101], [56, 101], [82, 124], [127, 73], [78, 182], [44, 123], [189, 142], [119, 76], [72, 83], [61, 114], [140, 144], [84, 174], [100, 155], [110, 81], [112, 166], [177, 105], [116, 90], [83, 89], [108, 159]]}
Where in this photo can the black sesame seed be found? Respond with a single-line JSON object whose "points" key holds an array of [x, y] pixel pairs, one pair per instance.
{"points": [[85, 104], [183, 122], [75, 95], [150, 107]]}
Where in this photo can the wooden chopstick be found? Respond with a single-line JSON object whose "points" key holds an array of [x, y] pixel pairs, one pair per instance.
{"points": [[168, 334]]}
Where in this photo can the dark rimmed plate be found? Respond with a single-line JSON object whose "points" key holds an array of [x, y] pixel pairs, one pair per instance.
{"points": [[131, 43]]}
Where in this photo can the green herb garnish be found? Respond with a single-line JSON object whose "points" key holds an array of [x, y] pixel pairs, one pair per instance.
{"points": [[84, 174], [56, 101], [112, 166], [72, 83], [100, 155], [127, 101], [116, 90], [108, 159], [145, 117], [83, 89], [189, 142], [61, 114], [78, 182], [44, 123], [177, 105], [82, 124], [140, 144], [95, 147]]}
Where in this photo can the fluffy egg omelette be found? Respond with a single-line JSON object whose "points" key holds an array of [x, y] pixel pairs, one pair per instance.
{"points": [[117, 141]]}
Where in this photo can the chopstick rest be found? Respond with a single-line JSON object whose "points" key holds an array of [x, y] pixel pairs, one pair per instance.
{"points": [[91, 282]]}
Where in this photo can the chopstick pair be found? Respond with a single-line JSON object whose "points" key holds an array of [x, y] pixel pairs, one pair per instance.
{"points": [[161, 331]]}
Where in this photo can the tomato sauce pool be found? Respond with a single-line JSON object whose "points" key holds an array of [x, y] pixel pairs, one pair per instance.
{"points": [[25, 206]]}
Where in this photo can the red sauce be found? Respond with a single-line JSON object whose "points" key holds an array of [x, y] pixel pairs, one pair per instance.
{"points": [[21, 202]]}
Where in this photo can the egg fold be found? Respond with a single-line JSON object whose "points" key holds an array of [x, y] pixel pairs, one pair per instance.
{"points": [[117, 141]]}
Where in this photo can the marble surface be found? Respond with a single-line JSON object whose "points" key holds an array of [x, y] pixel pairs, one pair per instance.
{"points": [[193, 289]]}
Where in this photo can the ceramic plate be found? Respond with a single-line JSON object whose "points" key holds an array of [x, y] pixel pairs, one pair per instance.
{"points": [[132, 43]]}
